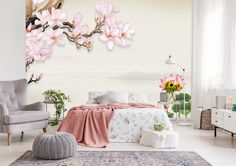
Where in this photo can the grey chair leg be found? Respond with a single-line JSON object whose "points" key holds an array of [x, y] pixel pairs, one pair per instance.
{"points": [[9, 138], [44, 130]]}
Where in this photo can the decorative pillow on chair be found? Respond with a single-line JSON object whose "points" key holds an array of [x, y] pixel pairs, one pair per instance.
{"points": [[137, 97], [93, 94]]}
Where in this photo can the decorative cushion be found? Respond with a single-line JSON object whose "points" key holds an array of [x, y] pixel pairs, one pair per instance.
{"points": [[136, 97], [25, 116], [93, 94], [160, 139], [54, 146]]}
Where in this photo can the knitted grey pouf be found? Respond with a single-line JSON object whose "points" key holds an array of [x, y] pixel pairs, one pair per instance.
{"points": [[54, 146]]}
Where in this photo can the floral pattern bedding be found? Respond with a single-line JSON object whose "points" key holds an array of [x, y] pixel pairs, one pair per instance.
{"points": [[127, 124]]}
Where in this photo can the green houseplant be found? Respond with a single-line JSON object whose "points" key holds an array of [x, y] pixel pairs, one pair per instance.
{"points": [[179, 104], [58, 98]]}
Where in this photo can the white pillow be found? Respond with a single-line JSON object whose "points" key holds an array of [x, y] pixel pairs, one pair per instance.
{"points": [[119, 97], [93, 94], [137, 97]]}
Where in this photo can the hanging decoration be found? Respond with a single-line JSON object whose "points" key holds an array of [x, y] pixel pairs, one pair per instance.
{"points": [[47, 25]]}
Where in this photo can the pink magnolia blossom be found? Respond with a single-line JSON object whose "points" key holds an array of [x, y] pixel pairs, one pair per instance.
{"points": [[110, 36], [105, 9], [56, 37], [43, 17], [57, 17], [37, 47], [111, 22], [125, 34], [79, 29]]}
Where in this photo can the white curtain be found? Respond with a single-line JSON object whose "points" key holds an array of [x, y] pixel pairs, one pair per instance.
{"points": [[214, 51]]}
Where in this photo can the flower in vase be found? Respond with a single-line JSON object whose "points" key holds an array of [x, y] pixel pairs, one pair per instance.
{"points": [[172, 84], [179, 86]]}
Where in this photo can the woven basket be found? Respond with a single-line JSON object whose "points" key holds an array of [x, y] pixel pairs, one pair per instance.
{"points": [[206, 120]]}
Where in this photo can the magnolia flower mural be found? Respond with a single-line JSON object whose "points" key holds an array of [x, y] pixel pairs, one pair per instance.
{"points": [[47, 25]]}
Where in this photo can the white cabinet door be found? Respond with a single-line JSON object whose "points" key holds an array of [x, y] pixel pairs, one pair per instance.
{"points": [[230, 121]]}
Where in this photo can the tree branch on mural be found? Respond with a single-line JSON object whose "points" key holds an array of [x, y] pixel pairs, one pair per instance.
{"points": [[47, 26], [34, 79], [28, 63]]}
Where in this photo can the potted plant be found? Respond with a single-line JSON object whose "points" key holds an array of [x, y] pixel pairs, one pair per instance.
{"points": [[179, 104], [58, 98], [171, 85]]}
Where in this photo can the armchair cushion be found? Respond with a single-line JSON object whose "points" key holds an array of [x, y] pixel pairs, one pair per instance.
{"points": [[33, 106], [25, 117]]}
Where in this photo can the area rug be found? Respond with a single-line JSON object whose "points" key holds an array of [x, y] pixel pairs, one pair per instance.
{"points": [[119, 158]]}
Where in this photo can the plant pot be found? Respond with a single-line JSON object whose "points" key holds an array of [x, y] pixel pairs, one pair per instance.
{"points": [[52, 129]]}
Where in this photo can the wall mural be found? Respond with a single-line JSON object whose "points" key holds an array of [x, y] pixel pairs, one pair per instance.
{"points": [[47, 25]]}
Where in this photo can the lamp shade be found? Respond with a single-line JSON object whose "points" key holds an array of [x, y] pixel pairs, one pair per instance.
{"points": [[170, 61]]}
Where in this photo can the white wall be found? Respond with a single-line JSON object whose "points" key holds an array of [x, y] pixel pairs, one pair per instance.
{"points": [[12, 39]]}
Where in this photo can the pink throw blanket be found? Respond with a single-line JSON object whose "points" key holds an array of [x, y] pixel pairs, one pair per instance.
{"points": [[89, 124]]}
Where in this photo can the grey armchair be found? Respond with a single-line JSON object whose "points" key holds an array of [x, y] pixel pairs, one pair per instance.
{"points": [[15, 116]]}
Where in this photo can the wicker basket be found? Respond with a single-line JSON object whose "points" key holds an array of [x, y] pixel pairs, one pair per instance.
{"points": [[206, 120]]}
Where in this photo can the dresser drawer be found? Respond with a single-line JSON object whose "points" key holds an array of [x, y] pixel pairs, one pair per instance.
{"points": [[217, 114], [217, 122], [229, 121]]}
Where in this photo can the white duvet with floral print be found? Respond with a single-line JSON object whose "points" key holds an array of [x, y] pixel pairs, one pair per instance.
{"points": [[127, 124]]}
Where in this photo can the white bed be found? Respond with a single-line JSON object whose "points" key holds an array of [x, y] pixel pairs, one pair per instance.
{"points": [[127, 124]]}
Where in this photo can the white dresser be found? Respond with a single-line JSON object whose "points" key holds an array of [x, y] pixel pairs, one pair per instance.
{"points": [[224, 119]]}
